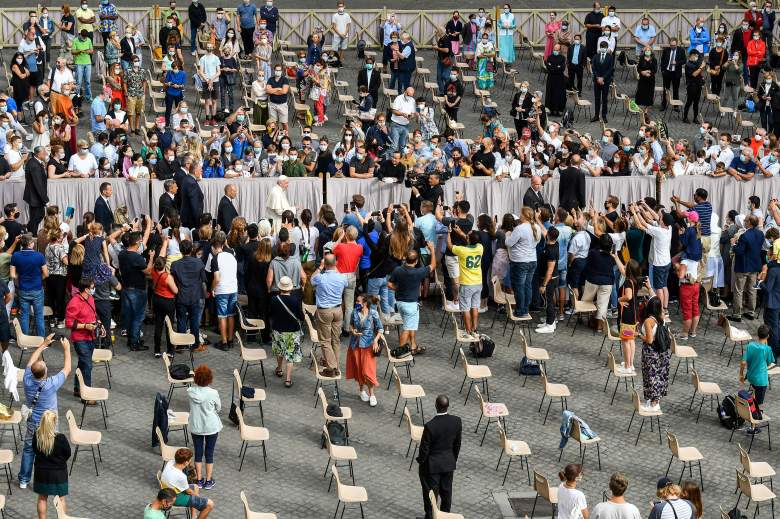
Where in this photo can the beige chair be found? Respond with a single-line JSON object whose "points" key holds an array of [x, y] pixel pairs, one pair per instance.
{"points": [[103, 356], [575, 433], [580, 308], [546, 492], [499, 296], [687, 455], [167, 452], [337, 453], [735, 335], [14, 423], [619, 376], [179, 340], [539, 355], [348, 494], [172, 382], [608, 336], [757, 493], [250, 357], [438, 514], [251, 434], [249, 514], [391, 322], [313, 336], [674, 104], [178, 421], [474, 373], [580, 105], [25, 342], [522, 322], [644, 414], [258, 399], [682, 353], [493, 411], [96, 394], [251, 326], [759, 470], [322, 380], [705, 389], [346, 412], [553, 391], [447, 307], [513, 449], [461, 338], [718, 310], [408, 392], [6, 458], [415, 435], [59, 506], [743, 411], [83, 438], [402, 362]]}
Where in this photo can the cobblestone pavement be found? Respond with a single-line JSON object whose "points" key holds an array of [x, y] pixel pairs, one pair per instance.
{"points": [[294, 486]]}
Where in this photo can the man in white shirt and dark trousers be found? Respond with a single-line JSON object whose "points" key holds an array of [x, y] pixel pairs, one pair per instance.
{"points": [[404, 109], [660, 252], [224, 269]]}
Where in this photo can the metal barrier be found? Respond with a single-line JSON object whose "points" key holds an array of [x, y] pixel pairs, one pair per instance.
{"points": [[296, 24]]}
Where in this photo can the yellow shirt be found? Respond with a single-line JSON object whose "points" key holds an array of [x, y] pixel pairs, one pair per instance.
{"points": [[86, 14], [470, 262]]}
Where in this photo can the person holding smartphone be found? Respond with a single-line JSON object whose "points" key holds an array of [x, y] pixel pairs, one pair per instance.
{"points": [[81, 317]]}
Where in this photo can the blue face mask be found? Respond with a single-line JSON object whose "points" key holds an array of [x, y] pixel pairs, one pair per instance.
{"points": [[772, 159], [744, 158], [555, 53], [626, 148], [358, 307]]}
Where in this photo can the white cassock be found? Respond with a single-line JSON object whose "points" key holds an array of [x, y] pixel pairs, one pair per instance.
{"points": [[275, 204]]}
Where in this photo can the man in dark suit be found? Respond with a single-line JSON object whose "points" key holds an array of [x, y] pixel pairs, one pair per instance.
{"points": [[35, 193], [104, 214], [191, 197], [370, 78], [672, 65], [603, 68], [226, 210], [168, 167], [179, 175], [439, 449], [533, 196], [166, 202], [571, 189], [576, 61]]}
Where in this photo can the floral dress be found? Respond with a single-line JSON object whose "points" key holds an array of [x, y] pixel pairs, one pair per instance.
{"points": [[485, 65], [286, 314], [655, 371]]}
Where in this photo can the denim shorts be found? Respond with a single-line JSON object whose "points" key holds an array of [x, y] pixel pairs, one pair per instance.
{"points": [[190, 501], [660, 276], [469, 297], [226, 304], [562, 278], [410, 314]]}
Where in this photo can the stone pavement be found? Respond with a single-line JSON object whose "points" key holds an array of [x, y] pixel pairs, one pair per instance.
{"points": [[294, 487]]}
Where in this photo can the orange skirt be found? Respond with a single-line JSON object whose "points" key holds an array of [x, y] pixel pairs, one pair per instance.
{"points": [[361, 366]]}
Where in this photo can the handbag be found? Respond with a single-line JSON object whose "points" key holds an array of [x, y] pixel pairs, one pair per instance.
{"points": [[447, 62], [401, 351], [27, 411]]}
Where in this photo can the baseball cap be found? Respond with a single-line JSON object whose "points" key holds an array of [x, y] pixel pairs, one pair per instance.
{"points": [[668, 219], [692, 216], [663, 483]]}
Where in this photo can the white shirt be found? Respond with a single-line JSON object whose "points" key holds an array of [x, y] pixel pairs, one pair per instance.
{"points": [[12, 157], [521, 243], [580, 245], [678, 168], [228, 273], [85, 166], [403, 104], [514, 168], [610, 21], [662, 243], [611, 42], [174, 478], [618, 239], [341, 21], [571, 501], [556, 142], [594, 162], [136, 172], [718, 155], [61, 77], [773, 168], [609, 510]]}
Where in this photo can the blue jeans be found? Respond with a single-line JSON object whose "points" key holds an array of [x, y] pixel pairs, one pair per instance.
{"points": [[521, 275], [378, 287], [133, 305], [399, 134], [28, 456], [193, 37], [442, 76], [83, 78], [189, 315], [84, 351], [34, 298], [615, 285], [125, 65]]}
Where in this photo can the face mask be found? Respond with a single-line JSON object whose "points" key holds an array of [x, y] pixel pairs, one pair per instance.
{"points": [[360, 156], [642, 151], [755, 38], [724, 145], [61, 155], [648, 53], [19, 60], [277, 73], [347, 137], [612, 13], [555, 53], [577, 42], [85, 6], [645, 26], [269, 4], [550, 129], [484, 41], [540, 148], [616, 159], [537, 164], [339, 159], [240, 118], [228, 149], [152, 160], [744, 27], [771, 159], [323, 147], [285, 145], [604, 139], [682, 158], [718, 44], [564, 27], [768, 81], [117, 107], [744, 158], [341, 10], [239, 167]]}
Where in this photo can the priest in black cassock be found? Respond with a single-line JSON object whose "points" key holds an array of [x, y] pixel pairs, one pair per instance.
{"points": [[555, 91]]}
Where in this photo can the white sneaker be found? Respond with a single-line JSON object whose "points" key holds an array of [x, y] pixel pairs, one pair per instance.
{"points": [[646, 408], [547, 328], [656, 408], [372, 401], [22, 484], [364, 396], [61, 324]]}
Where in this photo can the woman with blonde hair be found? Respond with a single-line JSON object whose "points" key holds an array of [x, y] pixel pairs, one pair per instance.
{"points": [[96, 259], [670, 496], [52, 452]]}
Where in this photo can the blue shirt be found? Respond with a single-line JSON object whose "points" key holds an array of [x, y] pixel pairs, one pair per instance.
{"points": [[247, 14], [389, 28], [179, 78], [28, 265], [47, 399], [575, 56], [743, 167], [328, 288], [368, 328], [351, 219], [758, 356], [270, 15], [216, 171], [365, 259], [98, 107], [456, 144]]}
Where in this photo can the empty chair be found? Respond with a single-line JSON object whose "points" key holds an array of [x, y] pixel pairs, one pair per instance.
{"points": [[516, 321], [474, 373], [757, 493], [579, 308], [251, 434], [59, 506], [744, 412], [83, 438], [513, 449], [348, 494], [258, 397], [95, 394], [492, 411], [575, 433], [539, 355], [337, 453], [104, 356], [408, 392], [251, 357], [735, 335], [6, 458], [415, 435], [705, 389], [178, 421], [251, 326], [249, 514], [543, 490], [553, 391], [682, 352], [759, 470], [438, 514], [687, 455], [619, 375], [644, 413], [608, 335], [174, 383], [181, 340]]}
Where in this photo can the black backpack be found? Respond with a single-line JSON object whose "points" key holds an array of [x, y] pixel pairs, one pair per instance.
{"points": [[337, 433], [714, 298], [727, 413], [361, 48], [530, 367], [483, 348], [663, 338], [180, 372]]}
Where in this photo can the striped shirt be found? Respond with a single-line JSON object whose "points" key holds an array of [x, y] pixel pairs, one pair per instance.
{"points": [[705, 216]]}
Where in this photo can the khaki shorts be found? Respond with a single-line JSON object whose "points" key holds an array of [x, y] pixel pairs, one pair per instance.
{"points": [[278, 112], [135, 105]]}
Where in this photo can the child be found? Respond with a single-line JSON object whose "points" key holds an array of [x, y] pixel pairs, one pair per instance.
{"points": [[690, 240]]}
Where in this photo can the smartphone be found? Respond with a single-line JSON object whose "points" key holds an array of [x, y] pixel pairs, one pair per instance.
{"points": [[376, 213], [69, 212], [397, 206], [446, 208], [346, 208], [352, 206]]}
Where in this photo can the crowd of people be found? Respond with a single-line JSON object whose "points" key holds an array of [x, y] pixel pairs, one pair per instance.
{"points": [[373, 269]]}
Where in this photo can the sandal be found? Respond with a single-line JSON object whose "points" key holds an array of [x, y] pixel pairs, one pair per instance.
{"points": [[288, 383], [278, 372]]}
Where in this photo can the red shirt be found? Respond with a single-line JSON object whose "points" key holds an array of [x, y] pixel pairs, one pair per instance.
{"points": [[347, 256], [160, 284], [80, 311]]}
